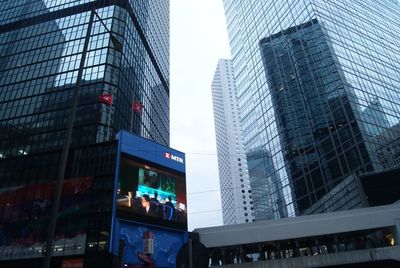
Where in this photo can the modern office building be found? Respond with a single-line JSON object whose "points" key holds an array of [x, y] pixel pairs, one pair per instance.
{"points": [[41, 45], [236, 195], [123, 87], [318, 88]]}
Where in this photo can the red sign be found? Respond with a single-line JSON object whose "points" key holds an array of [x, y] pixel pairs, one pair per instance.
{"points": [[137, 106], [106, 98]]}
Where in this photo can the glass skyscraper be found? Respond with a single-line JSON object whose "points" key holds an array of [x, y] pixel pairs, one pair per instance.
{"points": [[318, 85], [41, 44]]}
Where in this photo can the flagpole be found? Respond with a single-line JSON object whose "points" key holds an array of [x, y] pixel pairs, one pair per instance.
{"points": [[136, 108], [109, 121], [132, 112], [131, 118]]}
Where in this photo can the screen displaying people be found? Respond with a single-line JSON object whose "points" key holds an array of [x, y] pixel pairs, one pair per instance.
{"points": [[153, 192]]}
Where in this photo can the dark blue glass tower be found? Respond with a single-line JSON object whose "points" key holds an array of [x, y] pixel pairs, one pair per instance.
{"points": [[321, 142], [41, 45]]}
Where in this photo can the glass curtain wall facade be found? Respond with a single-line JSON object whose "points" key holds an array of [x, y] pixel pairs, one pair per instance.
{"points": [[41, 43], [265, 184], [318, 86]]}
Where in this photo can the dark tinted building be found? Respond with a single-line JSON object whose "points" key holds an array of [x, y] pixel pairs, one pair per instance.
{"points": [[321, 141], [84, 216], [41, 45]]}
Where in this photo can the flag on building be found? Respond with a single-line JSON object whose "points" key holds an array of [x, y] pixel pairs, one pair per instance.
{"points": [[137, 106], [106, 98]]}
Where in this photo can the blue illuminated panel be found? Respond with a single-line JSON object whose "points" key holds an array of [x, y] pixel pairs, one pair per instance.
{"points": [[149, 197], [151, 151]]}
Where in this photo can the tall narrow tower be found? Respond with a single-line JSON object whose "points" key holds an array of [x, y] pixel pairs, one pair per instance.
{"points": [[236, 195]]}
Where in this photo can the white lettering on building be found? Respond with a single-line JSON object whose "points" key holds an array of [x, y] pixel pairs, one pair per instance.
{"points": [[173, 157]]}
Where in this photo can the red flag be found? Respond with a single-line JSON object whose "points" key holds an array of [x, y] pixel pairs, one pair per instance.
{"points": [[137, 106], [106, 98]]}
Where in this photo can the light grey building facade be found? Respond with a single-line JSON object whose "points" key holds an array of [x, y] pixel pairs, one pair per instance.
{"points": [[236, 195]]}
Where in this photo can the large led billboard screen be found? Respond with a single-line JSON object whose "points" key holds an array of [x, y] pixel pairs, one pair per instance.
{"points": [[151, 193]]}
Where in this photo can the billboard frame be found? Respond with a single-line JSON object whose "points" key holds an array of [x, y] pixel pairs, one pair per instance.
{"points": [[142, 150]]}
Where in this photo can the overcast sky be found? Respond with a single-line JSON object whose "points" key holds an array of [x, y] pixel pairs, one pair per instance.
{"points": [[198, 39]]}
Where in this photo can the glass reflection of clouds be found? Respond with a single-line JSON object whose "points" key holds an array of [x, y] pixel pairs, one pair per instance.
{"points": [[72, 28], [362, 38]]}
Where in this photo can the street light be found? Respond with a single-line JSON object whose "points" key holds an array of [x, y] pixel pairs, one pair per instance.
{"points": [[67, 139]]}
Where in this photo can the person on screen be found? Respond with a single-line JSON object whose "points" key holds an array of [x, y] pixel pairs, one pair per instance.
{"points": [[169, 202], [155, 198], [169, 210], [147, 209]]}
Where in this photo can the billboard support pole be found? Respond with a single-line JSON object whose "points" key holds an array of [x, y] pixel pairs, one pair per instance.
{"points": [[190, 253]]}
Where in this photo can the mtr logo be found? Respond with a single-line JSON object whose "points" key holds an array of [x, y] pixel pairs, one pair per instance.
{"points": [[173, 157]]}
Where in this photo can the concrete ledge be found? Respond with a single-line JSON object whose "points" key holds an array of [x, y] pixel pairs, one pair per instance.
{"points": [[301, 226]]}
